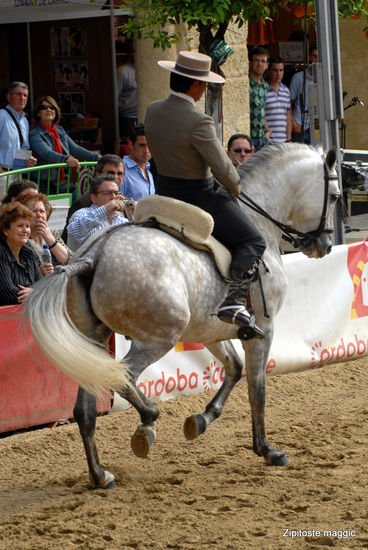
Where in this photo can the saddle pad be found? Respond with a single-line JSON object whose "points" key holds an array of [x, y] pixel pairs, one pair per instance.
{"points": [[187, 222], [195, 224]]}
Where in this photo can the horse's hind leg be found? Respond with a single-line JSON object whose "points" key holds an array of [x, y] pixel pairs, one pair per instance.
{"points": [[85, 413], [140, 356], [196, 424], [85, 410]]}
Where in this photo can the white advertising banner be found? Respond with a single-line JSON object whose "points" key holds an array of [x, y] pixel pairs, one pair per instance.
{"points": [[324, 319]]}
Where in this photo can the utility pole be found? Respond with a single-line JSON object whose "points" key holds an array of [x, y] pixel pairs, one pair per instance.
{"points": [[325, 94]]}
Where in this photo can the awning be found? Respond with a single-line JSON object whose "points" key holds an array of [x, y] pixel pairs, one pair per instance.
{"points": [[25, 11]]}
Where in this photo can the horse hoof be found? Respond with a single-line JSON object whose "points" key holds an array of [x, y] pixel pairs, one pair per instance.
{"points": [[141, 442], [108, 482], [281, 460], [277, 458], [110, 485], [194, 426]]}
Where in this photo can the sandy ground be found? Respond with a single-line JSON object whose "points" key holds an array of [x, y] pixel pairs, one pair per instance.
{"points": [[209, 493]]}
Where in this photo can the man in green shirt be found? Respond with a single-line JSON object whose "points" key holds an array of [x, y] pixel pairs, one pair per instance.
{"points": [[259, 131]]}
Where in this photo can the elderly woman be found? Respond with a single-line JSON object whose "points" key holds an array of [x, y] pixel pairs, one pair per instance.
{"points": [[19, 265], [40, 232], [51, 144]]}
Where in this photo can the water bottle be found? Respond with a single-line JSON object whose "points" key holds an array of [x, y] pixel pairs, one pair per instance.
{"points": [[46, 257]]}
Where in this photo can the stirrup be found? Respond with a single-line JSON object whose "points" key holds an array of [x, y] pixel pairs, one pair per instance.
{"points": [[237, 314], [251, 331]]}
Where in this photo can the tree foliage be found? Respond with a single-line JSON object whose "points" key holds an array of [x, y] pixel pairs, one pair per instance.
{"points": [[212, 17]]}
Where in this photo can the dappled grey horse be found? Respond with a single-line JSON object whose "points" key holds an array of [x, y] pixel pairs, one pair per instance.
{"points": [[156, 290]]}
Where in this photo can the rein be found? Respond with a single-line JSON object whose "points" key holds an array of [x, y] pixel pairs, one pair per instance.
{"points": [[289, 233]]}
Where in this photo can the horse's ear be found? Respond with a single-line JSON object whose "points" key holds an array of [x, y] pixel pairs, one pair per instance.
{"points": [[331, 158]]}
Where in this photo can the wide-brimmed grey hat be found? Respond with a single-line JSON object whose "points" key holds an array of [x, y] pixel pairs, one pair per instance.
{"points": [[193, 65]]}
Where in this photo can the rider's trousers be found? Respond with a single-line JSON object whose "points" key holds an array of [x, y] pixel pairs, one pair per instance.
{"points": [[231, 225]]}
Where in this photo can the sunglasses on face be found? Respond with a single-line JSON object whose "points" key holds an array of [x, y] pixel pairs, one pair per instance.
{"points": [[44, 107], [241, 149]]}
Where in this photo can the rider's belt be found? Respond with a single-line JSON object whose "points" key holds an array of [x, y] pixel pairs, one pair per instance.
{"points": [[167, 186]]}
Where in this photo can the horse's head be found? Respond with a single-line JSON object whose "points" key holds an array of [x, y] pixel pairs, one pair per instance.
{"points": [[313, 211], [297, 190]]}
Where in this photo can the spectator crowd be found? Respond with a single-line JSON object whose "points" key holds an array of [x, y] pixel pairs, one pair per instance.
{"points": [[278, 113], [180, 154]]}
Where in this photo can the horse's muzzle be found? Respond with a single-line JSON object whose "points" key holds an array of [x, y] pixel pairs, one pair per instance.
{"points": [[318, 247]]}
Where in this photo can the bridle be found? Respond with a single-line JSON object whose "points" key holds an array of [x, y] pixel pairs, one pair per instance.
{"points": [[297, 238]]}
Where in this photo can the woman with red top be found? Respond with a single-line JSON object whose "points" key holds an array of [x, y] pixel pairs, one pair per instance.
{"points": [[51, 144]]}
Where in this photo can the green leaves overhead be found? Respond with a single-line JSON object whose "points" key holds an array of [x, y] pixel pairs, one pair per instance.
{"points": [[150, 17]]}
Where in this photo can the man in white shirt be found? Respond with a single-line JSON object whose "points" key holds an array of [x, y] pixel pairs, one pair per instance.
{"points": [[138, 180], [127, 97], [14, 130], [106, 209], [299, 99]]}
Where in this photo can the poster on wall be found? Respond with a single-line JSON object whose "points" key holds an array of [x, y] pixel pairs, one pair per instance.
{"points": [[71, 76], [60, 45], [72, 103], [68, 41], [292, 52], [78, 41]]}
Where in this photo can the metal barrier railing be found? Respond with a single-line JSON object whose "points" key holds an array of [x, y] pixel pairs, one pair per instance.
{"points": [[72, 177]]}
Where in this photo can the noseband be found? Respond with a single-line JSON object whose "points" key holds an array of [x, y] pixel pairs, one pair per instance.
{"points": [[297, 238]]}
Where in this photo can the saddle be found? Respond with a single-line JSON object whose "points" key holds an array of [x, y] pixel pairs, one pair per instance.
{"points": [[186, 222]]}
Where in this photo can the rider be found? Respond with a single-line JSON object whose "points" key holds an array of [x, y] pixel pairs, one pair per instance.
{"points": [[186, 150]]}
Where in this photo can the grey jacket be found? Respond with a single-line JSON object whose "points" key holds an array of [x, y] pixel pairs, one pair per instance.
{"points": [[184, 144]]}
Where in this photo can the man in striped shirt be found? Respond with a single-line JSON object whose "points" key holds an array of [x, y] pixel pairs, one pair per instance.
{"points": [[278, 109], [107, 209]]}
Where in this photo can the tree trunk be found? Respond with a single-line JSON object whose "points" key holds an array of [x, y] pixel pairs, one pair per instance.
{"points": [[213, 104]]}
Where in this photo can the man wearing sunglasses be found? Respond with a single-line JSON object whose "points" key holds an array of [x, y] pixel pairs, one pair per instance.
{"points": [[239, 148], [14, 130]]}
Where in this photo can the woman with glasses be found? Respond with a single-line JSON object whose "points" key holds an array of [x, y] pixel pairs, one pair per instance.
{"points": [[40, 231], [51, 144]]}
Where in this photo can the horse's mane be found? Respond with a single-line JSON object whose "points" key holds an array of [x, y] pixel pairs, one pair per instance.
{"points": [[273, 159]]}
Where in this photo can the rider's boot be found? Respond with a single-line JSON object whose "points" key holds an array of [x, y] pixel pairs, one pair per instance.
{"points": [[233, 309]]}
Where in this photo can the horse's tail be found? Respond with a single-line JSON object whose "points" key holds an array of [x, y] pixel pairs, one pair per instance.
{"points": [[61, 342]]}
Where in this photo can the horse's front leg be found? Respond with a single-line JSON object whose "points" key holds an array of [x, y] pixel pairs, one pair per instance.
{"points": [[196, 424], [85, 413], [256, 358]]}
